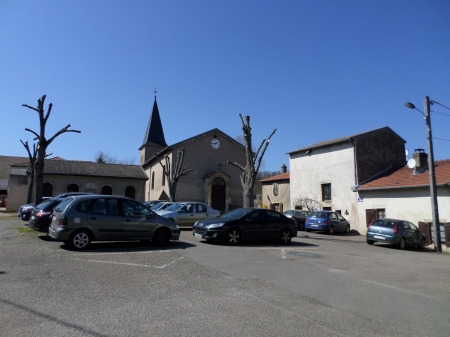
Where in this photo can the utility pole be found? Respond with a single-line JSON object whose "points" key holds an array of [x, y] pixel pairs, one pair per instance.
{"points": [[434, 203]]}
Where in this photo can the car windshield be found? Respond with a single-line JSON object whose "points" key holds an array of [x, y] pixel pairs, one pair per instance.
{"points": [[157, 206], [174, 207], [318, 215], [236, 214]]}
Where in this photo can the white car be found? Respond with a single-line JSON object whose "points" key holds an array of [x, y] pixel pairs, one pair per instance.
{"points": [[185, 214]]}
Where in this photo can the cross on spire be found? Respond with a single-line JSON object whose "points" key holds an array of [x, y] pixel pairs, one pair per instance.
{"points": [[155, 92]]}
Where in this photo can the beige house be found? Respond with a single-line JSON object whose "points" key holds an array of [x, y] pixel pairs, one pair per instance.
{"points": [[276, 191], [62, 176], [212, 180], [404, 193], [329, 171]]}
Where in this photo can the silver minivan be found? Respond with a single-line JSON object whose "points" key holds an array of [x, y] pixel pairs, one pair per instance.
{"points": [[77, 221]]}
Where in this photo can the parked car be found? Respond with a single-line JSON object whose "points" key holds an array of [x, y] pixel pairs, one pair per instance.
{"points": [[41, 215], [326, 221], [400, 233], [187, 213], [24, 211], [71, 194], [299, 216], [161, 206], [246, 224], [151, 203], [77, 221]]}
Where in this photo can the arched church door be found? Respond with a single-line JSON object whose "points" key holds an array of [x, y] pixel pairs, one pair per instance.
{"points": [[218, 194]]}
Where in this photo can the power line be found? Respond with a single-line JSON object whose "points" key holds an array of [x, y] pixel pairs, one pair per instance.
{"points": [[448, 140], [434, 102]]}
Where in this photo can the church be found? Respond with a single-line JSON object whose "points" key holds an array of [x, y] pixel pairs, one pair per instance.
{"points": [[212, 180]]}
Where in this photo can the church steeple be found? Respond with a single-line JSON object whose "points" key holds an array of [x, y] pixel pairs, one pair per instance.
{"points": [[154, 135]]}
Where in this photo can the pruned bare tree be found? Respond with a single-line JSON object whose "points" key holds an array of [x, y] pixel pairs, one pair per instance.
{"points": [[43, 144], [253, 161], [32, 158], [174, 175], [308, 203]]}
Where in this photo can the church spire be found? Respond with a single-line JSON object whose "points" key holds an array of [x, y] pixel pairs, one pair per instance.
{"points": [[154, 134]]}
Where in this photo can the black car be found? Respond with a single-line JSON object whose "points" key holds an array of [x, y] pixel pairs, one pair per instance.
{"points": [[24, 211], [71, 194], [299, 217], [247, 224], [41, 216]]}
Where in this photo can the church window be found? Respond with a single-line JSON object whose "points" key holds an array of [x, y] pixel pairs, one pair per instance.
{"points": [[73, 188], [153, 180]]}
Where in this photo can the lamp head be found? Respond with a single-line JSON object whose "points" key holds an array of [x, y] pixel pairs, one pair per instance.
{"points": [[410, 105]]}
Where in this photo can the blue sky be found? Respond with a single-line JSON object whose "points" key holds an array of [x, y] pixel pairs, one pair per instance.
{"points": [[314, 70]]}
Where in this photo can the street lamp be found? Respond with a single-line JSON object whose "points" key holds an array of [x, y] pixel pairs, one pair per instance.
{"points": [[434, 204]]}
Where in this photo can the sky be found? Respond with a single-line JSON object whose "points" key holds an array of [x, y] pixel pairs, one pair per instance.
{"points": [[312, 70]]}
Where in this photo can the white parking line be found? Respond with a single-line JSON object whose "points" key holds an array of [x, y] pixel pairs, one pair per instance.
{"points": [[135, 264], [123, 253]]}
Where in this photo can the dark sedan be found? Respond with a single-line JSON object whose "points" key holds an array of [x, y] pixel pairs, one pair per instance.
{"points": [[247, 224], [41, 216], [299, 217], [400, 233], [24, 211]]}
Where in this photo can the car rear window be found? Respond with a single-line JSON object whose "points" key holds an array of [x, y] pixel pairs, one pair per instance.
{"points": [[384, 223], [62, 205], [318, 215]]}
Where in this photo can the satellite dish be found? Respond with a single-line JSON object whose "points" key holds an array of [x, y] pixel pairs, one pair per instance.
{"points": [[411, 163], [406, 153]]}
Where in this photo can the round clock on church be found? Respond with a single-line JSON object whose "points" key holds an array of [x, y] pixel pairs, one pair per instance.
{"points": [[215, 143]]}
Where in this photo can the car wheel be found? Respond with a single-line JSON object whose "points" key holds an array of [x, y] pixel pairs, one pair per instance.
{"points": [[422, 244], [308, 230], [161, 237], [285, 236], [80, 240], [370, 242], [347, 229], [233, 237], [402, 244], [330, 230]]}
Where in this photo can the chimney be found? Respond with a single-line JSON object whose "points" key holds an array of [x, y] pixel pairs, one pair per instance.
{"points": [[421, 159], [283, 168]]}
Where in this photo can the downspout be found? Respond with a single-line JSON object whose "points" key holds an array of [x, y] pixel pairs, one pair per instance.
{"points": [[355, 169]]}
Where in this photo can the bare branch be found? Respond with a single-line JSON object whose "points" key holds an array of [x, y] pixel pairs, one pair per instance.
{"points": [[30, 107], [63, 130], [35, 133], [237, 165]]}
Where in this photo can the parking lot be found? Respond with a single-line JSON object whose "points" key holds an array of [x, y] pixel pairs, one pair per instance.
{"points": [[319, 285]]}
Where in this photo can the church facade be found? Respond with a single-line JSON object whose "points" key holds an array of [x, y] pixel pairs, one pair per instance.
{"points": [[212, 180]]}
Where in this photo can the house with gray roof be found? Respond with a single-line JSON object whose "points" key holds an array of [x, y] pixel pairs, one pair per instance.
{"points": [[62, 176], [329, 171]]}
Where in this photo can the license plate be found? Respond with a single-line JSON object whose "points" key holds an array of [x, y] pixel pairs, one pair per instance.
{"points": [[314, 225], [379, 237], [198, 235]]}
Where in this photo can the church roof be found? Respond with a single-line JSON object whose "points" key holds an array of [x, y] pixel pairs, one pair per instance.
{"points": [[7, 161], [154, 134]]}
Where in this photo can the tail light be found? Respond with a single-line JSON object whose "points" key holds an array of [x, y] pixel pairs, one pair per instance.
{"points": [[62, 221], [395, 228], [306, 220], [42, 213]]}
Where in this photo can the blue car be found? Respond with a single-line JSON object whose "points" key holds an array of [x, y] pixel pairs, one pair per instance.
{"points": [[400, 233], [326, 221]]}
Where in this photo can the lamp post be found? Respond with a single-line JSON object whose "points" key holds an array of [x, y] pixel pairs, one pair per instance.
{"points": [[434, 204]]}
